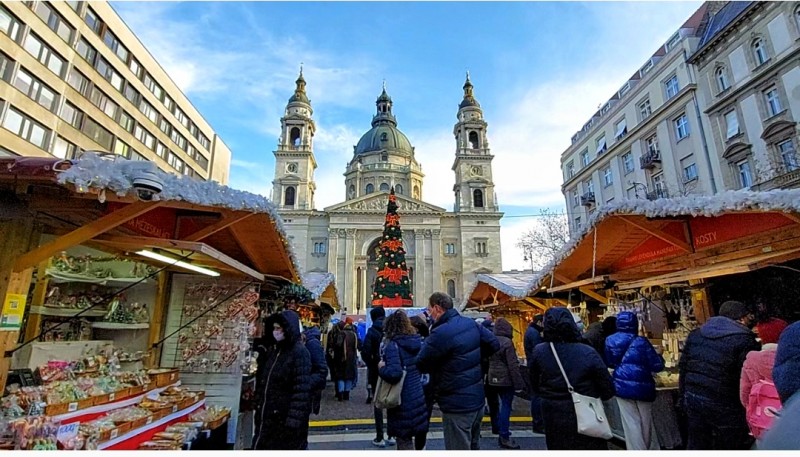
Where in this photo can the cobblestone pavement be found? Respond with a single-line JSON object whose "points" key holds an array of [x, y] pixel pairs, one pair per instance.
{"points": [[363, 441]]}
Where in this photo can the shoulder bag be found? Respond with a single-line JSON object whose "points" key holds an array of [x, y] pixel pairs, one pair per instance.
{"points": [[591, 415], [388, 396]]}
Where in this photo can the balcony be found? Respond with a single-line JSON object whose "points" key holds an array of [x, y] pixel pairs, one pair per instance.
{"points": [[588, 199], [650, 159], [788, 177], [658, 193]]}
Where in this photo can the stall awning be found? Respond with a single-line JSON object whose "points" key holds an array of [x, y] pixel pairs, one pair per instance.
{"points": [[322, 287], [492, 290]]}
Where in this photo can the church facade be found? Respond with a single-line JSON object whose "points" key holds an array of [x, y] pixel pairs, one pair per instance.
{"points": [[445, 250]]}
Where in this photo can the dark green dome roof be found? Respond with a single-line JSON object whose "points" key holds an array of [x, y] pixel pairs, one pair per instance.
{"points": [[383, 136]]}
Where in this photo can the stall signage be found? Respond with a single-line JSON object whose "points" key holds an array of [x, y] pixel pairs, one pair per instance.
{"points": [[67, 432], [712, 231], [13, 311], [655, 248], [72, 407], [157, 223]]}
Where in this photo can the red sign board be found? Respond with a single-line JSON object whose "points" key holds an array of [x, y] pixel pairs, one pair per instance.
{"points": [[711, 231], [655, 248], [156, 223]]}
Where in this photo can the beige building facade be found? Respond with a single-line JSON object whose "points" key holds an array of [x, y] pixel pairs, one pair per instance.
{"points": [[446, 250], [74, 77]]}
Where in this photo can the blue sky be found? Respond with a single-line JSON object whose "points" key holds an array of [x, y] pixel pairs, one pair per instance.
{"points": [[540, 69]]}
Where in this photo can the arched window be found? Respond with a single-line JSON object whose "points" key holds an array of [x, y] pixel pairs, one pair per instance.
{"points": [[294, 136], [722, 79], [451, 288], [384, 187], [351, 192], [473, 140], [759, 51], [370, 188], [477, 198], [288, 196], [384, 137], [398, 189], [416, 192]]}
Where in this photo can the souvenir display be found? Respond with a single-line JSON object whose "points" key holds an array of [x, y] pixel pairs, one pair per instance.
{"points": [[35, 433]]}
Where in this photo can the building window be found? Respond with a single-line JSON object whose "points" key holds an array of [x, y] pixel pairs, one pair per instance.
{"points": [[788, 155], [113, 43], [109, 74], [689, 169], [164, 126], [122, 149], [384, 157], [673, 41], [175, 162], [451, 288], [450, 249], [319, 247], [85, 50], [181, 116], [721, 78], [627, 162], [621, 129], [681, 127], [608, 177], [585, 157], [97, 133], [148, 110], [477, 198], [773, 101], [288, 196], [480, 248], [589, 186], [144, 137], [93, 21], [732, 124], [178, 139], [54, 21], [153, 86], [473, 140], [101, 100], [204, 141], [26, 128], [398, 189], [35, 89], [137, 70], [601, 145], [577, 223], [570, 169], [161, 150], [759, 51], [745, 176], [9, 24], [369, 189], [644, 109], [576, 200], [384, 187], [72, 115], [36, 47], [671, 86], [126, 121], [63, 149], [651, 144]]}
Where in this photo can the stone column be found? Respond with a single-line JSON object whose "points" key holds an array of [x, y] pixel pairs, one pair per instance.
{"points": [[350, 270], [366, 292], [436, 250], [428, 262], [420, 299]]}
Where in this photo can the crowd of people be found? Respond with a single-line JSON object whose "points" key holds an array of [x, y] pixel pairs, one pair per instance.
{"points": [[733, 390]]}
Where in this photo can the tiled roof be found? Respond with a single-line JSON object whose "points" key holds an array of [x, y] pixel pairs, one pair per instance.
{"points": [[722, 19]]}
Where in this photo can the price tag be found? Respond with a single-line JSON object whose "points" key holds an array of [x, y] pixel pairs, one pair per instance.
{"points": [[72, 407], [149, 420], [67, 432], [114, 433], [112, 396], [174, 408]]}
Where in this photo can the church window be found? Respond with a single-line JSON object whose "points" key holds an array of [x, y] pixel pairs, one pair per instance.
{"points": [[294, 136], [384, 187], [451, 288], [370, 189], [288, 196], [480, 248], [398, 189], [450, 249], [319, 247], [473, 140], [384, 137], [477, 198], [351, 192], [384, 157]]}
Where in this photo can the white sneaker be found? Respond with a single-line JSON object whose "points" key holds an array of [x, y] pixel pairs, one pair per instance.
{"points": [[390, 442], [377, 443]]}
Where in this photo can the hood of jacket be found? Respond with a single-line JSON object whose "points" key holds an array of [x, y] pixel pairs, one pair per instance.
{"points": [[560, 326], [289, 322], [720, 327], [411, 344], [313, 333], [627, 322], [503, 328], [377, 324], [787, 362]]}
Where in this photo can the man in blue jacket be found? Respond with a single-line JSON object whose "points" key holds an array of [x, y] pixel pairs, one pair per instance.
{"points": [[452, 355]]}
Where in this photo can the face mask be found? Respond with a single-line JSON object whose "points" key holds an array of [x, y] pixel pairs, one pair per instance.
{"points": [[278, 335]]}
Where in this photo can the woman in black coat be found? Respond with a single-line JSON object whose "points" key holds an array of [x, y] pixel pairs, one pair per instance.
{"points": [[283, 386], [408, 423], [586, 372]]}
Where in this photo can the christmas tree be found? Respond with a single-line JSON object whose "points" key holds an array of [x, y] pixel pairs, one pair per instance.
{"points": [[392, 287]]}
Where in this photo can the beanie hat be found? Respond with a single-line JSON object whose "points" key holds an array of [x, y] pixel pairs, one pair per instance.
{"points": [[735, 310], [770, 330], [377, 312]]}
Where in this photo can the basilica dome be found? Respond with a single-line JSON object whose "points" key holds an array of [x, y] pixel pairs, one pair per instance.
{"points": [[384, 133]]}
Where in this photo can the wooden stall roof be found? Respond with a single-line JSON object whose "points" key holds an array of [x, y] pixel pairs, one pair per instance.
{"points": [[492, 290], [322, 287], [93, 202], [635, 243]]}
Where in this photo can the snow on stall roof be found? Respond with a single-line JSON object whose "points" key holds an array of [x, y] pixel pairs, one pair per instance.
{"points": [[515, 286], [316, 283], [696, 206], [94, 172]]}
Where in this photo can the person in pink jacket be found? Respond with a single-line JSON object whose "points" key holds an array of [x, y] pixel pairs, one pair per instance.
{"points": [[758, 364]]}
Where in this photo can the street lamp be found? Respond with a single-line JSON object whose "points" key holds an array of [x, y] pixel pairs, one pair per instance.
{"points": [[529, 256]]}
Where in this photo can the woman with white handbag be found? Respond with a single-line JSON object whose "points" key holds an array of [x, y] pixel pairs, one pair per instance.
{"points": [[572, 380]]}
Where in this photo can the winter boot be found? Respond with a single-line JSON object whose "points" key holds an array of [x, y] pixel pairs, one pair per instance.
{"points": [[347, 396], [507, 443]]}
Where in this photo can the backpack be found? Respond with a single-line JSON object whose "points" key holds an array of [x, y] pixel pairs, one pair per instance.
{"points": [[763, 406]]}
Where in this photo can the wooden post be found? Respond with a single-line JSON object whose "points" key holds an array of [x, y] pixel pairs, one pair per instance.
{"points": [[34, 324], [700, 302], [158, 319]]}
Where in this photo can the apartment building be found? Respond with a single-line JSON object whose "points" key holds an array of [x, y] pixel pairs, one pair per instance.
{"points": [[749, 83], [646, 141], [74, 77]]}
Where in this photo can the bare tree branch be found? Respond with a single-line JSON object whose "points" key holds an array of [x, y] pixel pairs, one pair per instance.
{"points": [[541, 243]]}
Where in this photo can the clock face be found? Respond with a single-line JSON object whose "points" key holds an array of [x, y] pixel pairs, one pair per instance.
{"points": [[476, 171], [291, 167]]}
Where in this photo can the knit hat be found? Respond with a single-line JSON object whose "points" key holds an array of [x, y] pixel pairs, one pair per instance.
{"points": [[770, 330], [377, 312], [735, 310]]}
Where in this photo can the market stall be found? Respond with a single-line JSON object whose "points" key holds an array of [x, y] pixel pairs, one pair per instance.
{"points": [[106, 255], [658, 259]]}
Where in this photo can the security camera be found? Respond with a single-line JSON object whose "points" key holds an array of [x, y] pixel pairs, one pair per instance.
{"points": [[147, 184]]}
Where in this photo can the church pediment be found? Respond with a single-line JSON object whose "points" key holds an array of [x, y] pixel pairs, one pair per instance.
{"points": [[377, 201]]}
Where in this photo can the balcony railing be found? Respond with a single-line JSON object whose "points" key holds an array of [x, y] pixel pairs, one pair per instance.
{"points": [[390, 167], [658, 193], [650, 159], [587, 199]]}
